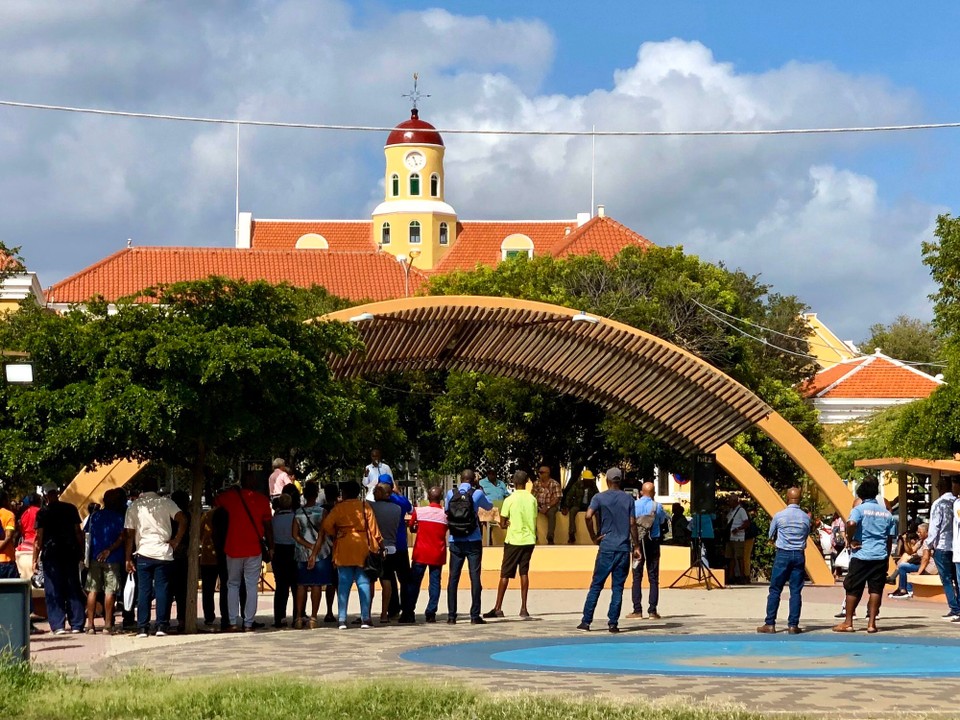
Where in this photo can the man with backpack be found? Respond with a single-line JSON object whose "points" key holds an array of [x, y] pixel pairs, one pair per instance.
{"points": [[462, 505], [650, 520]]}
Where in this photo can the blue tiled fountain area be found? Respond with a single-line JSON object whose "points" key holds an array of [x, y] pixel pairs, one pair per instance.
{"points": [[708, 655]]}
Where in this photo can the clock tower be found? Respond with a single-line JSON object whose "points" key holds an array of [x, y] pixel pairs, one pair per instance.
{"points": [[413, 219]]}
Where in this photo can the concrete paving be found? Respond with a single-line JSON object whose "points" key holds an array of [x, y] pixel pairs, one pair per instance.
{"points": [[330, 654]]}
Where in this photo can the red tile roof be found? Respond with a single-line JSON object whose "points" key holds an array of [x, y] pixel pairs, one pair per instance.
{"points": [[873, 376], [341, 235], [352, 275], [601, 235], [478, 242]]}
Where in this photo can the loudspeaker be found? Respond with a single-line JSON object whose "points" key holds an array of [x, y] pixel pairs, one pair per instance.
{"points": [[703, 493]]}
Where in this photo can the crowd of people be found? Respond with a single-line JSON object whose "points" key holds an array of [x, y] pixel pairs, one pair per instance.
{"points": [[323, 542]]}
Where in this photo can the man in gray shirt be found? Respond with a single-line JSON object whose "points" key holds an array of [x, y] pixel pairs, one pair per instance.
{"points": [[388, 516]]}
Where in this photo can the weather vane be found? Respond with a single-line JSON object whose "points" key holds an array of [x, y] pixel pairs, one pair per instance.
{"points": [[416, 94]]}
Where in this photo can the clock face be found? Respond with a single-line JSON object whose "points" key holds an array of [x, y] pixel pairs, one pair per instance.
{"points": [[414, 160]]}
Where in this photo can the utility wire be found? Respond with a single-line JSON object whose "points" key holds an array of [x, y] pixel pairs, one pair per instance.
{"points": [[477, 131]]}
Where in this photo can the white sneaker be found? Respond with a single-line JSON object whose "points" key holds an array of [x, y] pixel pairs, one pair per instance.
{"points": [[950, 616], [61, 631], [900, 596], [160, 633], [342, 627], [143, 634], [365, 626]]}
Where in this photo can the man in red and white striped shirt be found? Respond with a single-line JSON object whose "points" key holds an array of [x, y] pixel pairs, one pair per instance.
{"points": [[429, 552]]}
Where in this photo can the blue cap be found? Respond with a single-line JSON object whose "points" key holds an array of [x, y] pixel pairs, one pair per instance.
{"points": [[385, 479]]}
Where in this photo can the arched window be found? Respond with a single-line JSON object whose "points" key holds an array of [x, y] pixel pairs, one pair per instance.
{"points": [[395, 184], [312, 241], [385, 234], [516, 245], [415, 183], [444, 233], [414, 232], [435, 185]]}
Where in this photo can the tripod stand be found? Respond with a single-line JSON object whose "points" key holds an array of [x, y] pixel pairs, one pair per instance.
{"points": [[698, 571]]}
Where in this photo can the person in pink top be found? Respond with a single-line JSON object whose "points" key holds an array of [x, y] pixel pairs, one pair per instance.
{"points": [[279, 478], [28, 533], [429, 552]]}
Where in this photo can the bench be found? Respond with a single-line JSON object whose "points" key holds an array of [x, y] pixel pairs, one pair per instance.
{"points": [[927, 587]]}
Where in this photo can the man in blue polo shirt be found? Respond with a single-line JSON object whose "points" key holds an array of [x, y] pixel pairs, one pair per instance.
{"points": [[871, 531], [789, 530], [465, 543]]}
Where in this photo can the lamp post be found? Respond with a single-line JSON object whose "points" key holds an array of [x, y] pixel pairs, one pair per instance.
{"points": [[19, 371], [406, 262]]}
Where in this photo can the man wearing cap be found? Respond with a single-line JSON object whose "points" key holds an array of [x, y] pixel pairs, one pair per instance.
{"points": [[577, 500], [617, 526], [59, 545], [279, 478]]}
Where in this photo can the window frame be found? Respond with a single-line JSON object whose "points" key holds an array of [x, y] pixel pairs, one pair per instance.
{"points": [[385, 233], [410, 235], [414, 177]]}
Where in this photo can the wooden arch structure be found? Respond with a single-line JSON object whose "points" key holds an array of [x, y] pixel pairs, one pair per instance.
{"points": [[665, 390]]}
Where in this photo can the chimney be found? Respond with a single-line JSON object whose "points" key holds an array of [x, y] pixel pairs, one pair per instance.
{"points": [[244, 230], [601, 211], [582, 218]]}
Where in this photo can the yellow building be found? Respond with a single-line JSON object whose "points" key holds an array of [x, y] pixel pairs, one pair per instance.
{"points": [[18, 287], [826, 347]]}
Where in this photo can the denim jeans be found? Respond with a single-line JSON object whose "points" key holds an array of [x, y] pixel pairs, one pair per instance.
{"points": [[609, 562], [904, 569], [416, 580], [788, 566], [948, 576], [246, 571], [153, 582], [651, 559], [61, 587], [347, 576], [9, 571], [460, 552]]}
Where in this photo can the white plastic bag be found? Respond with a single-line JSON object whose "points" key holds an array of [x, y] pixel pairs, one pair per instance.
{"points": [[843, 560], [129, 592]]}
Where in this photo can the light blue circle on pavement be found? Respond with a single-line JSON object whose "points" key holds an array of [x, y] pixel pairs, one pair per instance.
{"points": [[709, 655]]}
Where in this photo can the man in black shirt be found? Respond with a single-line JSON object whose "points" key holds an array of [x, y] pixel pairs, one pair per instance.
{"points": [[59, 545]]}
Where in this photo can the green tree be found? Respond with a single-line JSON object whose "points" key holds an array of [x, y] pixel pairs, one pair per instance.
{"points": [[212, 369], [907, 339]]}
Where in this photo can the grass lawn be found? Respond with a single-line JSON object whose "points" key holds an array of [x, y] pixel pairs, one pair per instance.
{"points": [[31, 694]]}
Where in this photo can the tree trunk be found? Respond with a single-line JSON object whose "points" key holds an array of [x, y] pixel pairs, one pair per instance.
{"points": [[193, 553]]}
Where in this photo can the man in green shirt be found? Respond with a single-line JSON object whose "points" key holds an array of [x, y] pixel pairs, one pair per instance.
{"points": [[519, 516]]}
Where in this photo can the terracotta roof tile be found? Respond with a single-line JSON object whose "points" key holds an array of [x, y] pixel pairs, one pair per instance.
{"points": [[478, 242], [601, 235], [345, 274], [341, 235], [873, 376]]}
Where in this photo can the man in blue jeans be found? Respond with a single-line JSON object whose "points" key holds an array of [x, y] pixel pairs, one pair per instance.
{"points": [[149, 524], [617, 525], [939, 545], [59, 544], [465, 543], [789, 530]]}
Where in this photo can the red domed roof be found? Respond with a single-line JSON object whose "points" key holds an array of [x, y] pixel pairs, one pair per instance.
{"points": [[414, 132]]}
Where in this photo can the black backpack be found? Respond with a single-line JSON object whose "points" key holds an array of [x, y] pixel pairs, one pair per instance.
{"points": [[461, 517]]}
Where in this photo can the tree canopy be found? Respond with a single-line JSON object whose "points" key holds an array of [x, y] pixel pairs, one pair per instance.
{"points": [[909, 340]]}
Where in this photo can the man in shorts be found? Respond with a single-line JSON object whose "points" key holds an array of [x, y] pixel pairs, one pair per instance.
{"points": [[105, 528], [519, 516], [870, 534]]}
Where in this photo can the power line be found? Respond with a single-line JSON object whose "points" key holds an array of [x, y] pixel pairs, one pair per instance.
{"points": [[477, 131]]}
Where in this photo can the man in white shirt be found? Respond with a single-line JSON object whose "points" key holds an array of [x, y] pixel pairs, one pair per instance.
{"points": [[373, 471], [737, 521], [939, 545], [279, 478], [150, 519]]}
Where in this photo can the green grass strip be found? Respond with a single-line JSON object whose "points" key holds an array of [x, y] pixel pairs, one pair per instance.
{"points": [[39, 694]]}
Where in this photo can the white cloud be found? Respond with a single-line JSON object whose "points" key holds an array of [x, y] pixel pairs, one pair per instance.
{"points": [[795, 209]]}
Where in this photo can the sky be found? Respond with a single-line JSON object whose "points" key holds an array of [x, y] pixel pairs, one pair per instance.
{"points": [[836, 220]]}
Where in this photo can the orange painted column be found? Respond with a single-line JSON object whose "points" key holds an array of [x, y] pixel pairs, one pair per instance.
{"points": [[760, 490], [810, 461]]}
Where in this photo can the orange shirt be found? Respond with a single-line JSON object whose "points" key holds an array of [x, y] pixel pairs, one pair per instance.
{"points": [[9, 523], [353, 536]]}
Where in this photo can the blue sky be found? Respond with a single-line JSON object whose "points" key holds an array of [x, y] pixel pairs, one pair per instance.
{"points": [[835, 220]]}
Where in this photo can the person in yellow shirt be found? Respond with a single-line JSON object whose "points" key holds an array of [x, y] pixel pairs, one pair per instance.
{"points": [[8, 525], [519, 517]]}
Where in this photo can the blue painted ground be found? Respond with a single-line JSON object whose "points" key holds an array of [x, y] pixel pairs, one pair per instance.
{"points": [[709, 655]]}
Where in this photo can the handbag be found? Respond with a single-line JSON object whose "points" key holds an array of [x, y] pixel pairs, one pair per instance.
{"points": [[129, 592], [373, 565], [843, 560], [264, 548]]}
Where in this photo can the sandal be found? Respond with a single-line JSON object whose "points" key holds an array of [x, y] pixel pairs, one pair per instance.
{"points": [[872, 630], [843, 628]]}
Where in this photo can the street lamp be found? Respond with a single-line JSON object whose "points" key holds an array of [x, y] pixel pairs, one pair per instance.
{"points": [[406, 262], [18, 373]]}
